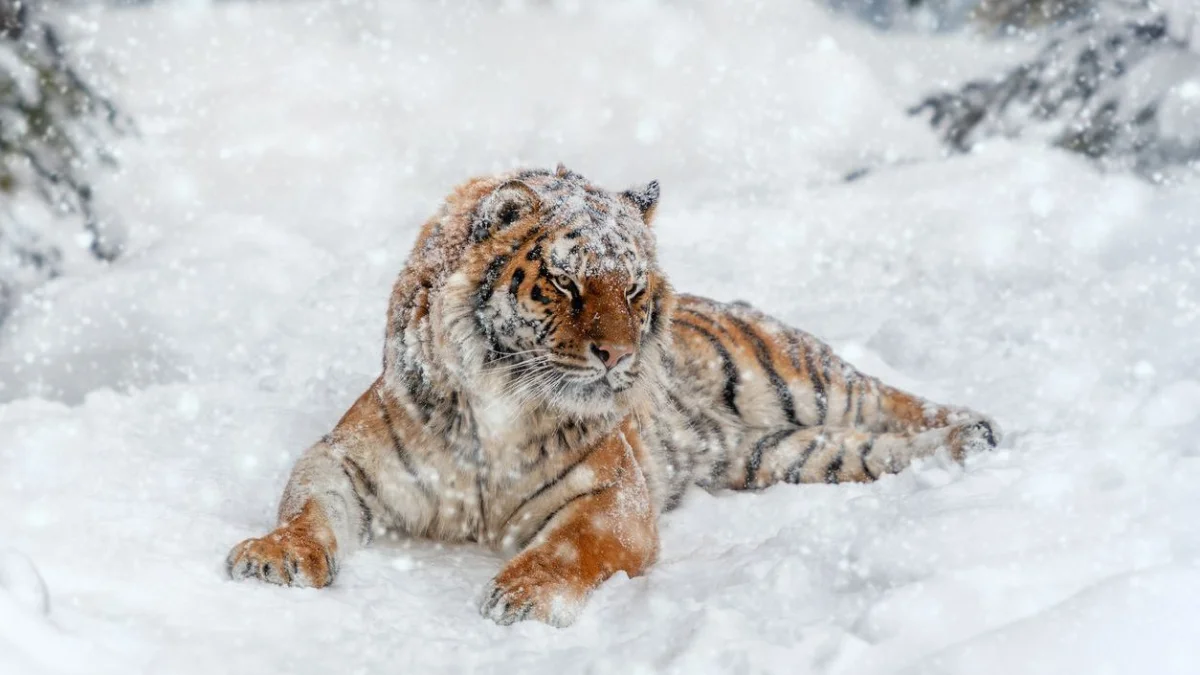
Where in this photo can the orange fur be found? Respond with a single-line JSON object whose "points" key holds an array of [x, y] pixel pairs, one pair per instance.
{"points": [[299, 552], [609, 529]]}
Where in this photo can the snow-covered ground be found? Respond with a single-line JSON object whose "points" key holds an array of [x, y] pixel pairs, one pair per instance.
{"points": [[149, 413]]}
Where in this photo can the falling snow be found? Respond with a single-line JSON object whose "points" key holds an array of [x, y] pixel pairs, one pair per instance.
{"points": [[288, 152]]}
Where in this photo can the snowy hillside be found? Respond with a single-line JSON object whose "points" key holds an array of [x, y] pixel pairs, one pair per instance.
{"points": [[149, 413]]}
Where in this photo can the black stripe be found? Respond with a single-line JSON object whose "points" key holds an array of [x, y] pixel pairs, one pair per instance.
{"points": [[535, 251], [364, 526], [491, 274], [782, 392], [515, 285], [547, 327], [768, 442], [372, 490], [831, 471], [418, 392], [548, 484], [719, 469], [656, 313], [827, 359], [535, 294], [793, 472], [576, 300], [818, 388], [727, 365], [546, 521], [714, 327], [361, 475], [793, 350], [330, 565], [701, 315], [849, 399], [487, 285], [402, 453], [677, 403]]}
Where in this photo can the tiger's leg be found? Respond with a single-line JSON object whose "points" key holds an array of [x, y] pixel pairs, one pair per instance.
{"points": [[841, 454], [774, 375], [322, 515], [879, 429], [874, 406], [882, 430], [606, 523], [792, 396]]}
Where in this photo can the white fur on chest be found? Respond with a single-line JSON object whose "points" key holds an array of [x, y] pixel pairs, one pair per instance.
{"points": [[497, 417]]}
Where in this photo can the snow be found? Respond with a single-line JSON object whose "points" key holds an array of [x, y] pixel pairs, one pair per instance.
{"points": [[149, 413]]}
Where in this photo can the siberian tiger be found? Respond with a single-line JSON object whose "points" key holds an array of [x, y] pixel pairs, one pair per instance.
{"points": [[545, 393]]}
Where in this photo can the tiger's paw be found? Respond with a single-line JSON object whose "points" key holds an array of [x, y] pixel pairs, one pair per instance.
{"points": [[283, 557], [532, 588], [980, 435]]}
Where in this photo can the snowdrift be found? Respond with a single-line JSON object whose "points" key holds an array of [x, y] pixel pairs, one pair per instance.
{"points": [[149, 413]]}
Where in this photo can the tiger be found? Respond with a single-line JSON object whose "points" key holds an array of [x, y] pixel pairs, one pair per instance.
{"points": [[545, 393]]}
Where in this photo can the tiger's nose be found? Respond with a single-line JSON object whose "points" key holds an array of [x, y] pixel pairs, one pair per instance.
{"points": [[611, 353]]}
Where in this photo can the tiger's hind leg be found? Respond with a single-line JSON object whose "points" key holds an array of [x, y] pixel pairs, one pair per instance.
{"points": [[867, 428], [879, 407], [784, 407], [842, 454]]}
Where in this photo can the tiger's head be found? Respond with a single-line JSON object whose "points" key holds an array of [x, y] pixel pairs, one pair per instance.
{"points": [[558, 298]]}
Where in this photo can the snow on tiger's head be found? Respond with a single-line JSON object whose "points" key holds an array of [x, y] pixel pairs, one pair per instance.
{"points": [[545, 286]]}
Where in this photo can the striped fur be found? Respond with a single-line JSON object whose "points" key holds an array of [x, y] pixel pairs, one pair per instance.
{"points": [[545, 393]]}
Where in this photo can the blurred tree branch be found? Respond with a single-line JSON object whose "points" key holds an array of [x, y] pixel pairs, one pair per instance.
{"points": [[55, 130], [1100, 87]]}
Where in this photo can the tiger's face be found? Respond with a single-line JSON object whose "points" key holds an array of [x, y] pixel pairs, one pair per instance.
{"points": [[574, 304]]}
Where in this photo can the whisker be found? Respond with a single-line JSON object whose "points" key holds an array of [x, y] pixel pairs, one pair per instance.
{"points": [[515, 366]]}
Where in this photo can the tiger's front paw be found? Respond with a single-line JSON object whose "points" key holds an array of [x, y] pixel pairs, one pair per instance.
{"points": [[530, 587], [283, 557]]}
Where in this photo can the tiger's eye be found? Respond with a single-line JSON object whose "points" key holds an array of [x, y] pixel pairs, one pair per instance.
{"points": [[563, 283]]}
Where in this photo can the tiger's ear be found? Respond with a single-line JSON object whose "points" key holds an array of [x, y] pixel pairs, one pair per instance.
{"points": [[505, 205], [645, 199], [562, 171]]}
